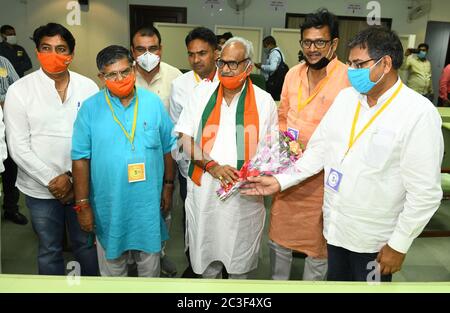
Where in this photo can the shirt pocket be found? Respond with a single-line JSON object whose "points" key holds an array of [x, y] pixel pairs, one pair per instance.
{"points": [[379, 148], [151, 139]]}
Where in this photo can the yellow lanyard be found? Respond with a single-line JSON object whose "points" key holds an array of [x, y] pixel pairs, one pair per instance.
{"points": [[353, 139], [197, 78], [301, 105], [133, 128]]}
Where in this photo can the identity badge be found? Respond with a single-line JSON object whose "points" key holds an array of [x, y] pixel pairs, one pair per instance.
{"points": [[294, 132], [334, 179], [136, 172], [19, 53]]}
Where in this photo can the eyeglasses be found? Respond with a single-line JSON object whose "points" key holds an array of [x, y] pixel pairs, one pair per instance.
{"points": [[319, 43], [232, 65], [358, 64], [151, 49], [113, 75]]}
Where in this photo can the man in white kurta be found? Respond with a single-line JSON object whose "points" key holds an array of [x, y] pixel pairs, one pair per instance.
{"points": [[224, 232], [383, 184]]}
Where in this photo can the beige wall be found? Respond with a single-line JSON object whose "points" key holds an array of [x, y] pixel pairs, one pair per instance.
{"points": [[107, 21]]}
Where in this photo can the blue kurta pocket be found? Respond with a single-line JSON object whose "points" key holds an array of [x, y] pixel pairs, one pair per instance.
{"points": [[152, 139]]}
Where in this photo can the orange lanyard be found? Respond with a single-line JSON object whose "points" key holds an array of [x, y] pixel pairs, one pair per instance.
{"points": [[353, 139], [301, 105]]}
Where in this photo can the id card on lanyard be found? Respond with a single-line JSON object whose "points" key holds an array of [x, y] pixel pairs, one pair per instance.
{"points": [[335, 175], [135, 165]]}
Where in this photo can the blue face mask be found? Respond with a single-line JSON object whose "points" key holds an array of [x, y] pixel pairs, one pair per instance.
{"points": [[422, 54], [360, 78]]}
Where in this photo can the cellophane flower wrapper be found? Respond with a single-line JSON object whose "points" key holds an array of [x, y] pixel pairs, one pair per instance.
{"points": [[276, 155]]}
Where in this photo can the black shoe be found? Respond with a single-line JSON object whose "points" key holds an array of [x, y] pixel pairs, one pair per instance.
{"points": [[16, 217], [189, 273]]}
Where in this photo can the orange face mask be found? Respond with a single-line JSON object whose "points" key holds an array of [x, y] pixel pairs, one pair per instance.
{"points": [[123, 87], [233, 82], [54, 63]]}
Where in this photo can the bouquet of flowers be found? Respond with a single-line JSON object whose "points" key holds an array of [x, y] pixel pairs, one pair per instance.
{"points": [[273, 157]]}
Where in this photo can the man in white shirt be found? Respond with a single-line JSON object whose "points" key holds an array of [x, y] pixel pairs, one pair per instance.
{"points": [[225, 233], [156, 76], [152, 73], [381, 147], [40, 110], [203, 51]]}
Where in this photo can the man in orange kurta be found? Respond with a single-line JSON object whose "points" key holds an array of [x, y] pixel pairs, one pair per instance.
{"points": [[309, 89]]}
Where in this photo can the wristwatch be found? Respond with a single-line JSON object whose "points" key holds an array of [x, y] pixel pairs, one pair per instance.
{"points": [[69, 173]]}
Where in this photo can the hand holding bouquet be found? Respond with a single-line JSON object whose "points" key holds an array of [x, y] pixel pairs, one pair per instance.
{"points": [[275, 156]]}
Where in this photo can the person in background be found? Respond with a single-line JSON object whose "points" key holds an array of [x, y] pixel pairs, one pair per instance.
{"points": [[296, 221], [274, 60], [418, 70], [274, 57], [11, 194], [12, 51], [444, 87], [221, 39], [236, 116], [157, 77], [40, 110], [202, 50], [151, 73], [123, 170], [382, 166]]}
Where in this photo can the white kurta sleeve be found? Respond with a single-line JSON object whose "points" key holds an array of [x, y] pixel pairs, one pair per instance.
{"points": [[312, 161], [185, 124], [177, 96], [420, 166], [18, 138]]}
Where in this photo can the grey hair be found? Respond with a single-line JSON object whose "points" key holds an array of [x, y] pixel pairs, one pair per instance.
{"points": [[247, 45]]}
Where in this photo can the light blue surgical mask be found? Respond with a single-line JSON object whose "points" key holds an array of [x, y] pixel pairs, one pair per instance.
{"points": [[422, 54], [360, 78]]}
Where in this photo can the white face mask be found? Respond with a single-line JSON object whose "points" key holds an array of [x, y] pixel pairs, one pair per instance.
{"points": [[12, 40], [148, 61]]}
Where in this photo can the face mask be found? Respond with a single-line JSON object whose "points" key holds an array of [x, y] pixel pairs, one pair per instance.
{"points": [[422, 54], [12, 40], [148, 61], [360, 78], [323, 62], [54, 63], [266, 50], [233, 82], [121, 88]]}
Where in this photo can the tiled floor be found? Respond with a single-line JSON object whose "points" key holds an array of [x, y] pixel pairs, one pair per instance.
{"points": [[427, 260]]}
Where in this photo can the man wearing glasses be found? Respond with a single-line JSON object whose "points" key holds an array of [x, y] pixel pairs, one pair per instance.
{"points": [[296, 222], [202, 51], [151, 72], [122, 160], [40, 109], [382, 166], [224, 122]]}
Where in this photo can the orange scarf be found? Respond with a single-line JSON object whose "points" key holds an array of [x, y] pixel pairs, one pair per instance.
{"points": [[247, 127]]}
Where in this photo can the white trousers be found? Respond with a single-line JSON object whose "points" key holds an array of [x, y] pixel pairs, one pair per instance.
{"points": [[148, 264], [281, 263], [214, 271]]}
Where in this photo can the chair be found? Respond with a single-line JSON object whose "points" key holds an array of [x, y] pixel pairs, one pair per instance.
{"points": [[258, 80]]}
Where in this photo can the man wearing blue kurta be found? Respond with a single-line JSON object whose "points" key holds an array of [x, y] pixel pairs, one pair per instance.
{"points": [[122, 167]]}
